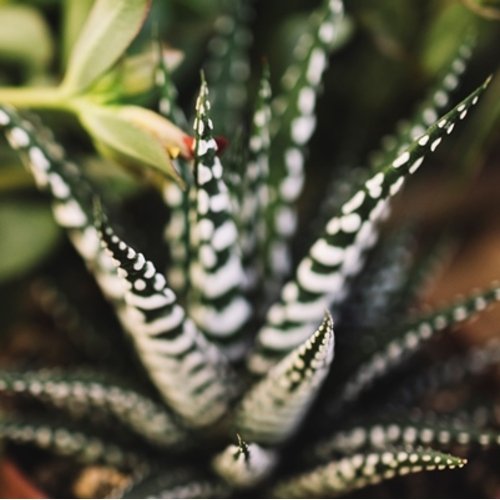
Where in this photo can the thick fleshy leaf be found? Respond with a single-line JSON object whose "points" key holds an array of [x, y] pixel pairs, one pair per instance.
{"points": [[295, 119], [190, 373], [108, 31], [338, 255], [72, 195], [216, 300], [363, 469], [176, 199], [436, 101], [228, 67], [244, 465], [274, 408], [255, 193], [84, 393], [410, 432], [410, 339], [63, 439]]}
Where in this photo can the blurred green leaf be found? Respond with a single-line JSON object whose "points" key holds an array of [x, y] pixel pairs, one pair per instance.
{"points": [[74, 14], [489, 9], [108, 31], [25, 37], [126, 133], [29, 234], [444, 34]]}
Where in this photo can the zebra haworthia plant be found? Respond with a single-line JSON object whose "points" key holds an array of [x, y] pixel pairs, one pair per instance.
{"points": [[241, 399]]}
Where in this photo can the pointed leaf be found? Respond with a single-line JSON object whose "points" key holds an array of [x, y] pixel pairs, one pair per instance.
{"points": [[338, 255], [427, 112], [273, 409], [72, 194], [357, 471], [189, 373], [228, 67], [108, 31], [294, 110], [176, 199], [255, 191], [411, 338], [85, 392], [410, 432], [63, 439], [216, 300], [244, 465]]}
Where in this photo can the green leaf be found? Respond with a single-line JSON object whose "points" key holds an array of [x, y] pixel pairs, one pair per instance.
{"points": [[87, 393], [71, 193], [34, 50], [362, 469], [217, 303], [408, 432], [228, 68], [244, 465], [66, 440], [120, 133], [29, 234], [274, 408], [190, 374], [338, 255], [75, 12], [410, 338], [294, 122], [443, 35], [108, 31]]}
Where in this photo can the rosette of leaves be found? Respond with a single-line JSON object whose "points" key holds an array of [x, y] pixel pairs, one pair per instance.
{"points": [[227, 400]]}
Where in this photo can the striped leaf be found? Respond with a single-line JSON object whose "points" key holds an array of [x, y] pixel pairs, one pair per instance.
{"points": [[216, 301], [244, 465], [295, 107], [189, 373], [176, 231], [84, 393], [66, 440], [228, 68], [251, 220], [273, 409], [410, 339], [363, 469], [412, 432], [436, 101], [338, 255], [72, 195]]}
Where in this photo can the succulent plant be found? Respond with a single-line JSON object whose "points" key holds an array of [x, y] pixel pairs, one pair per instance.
{"points": [[238, 375]]}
